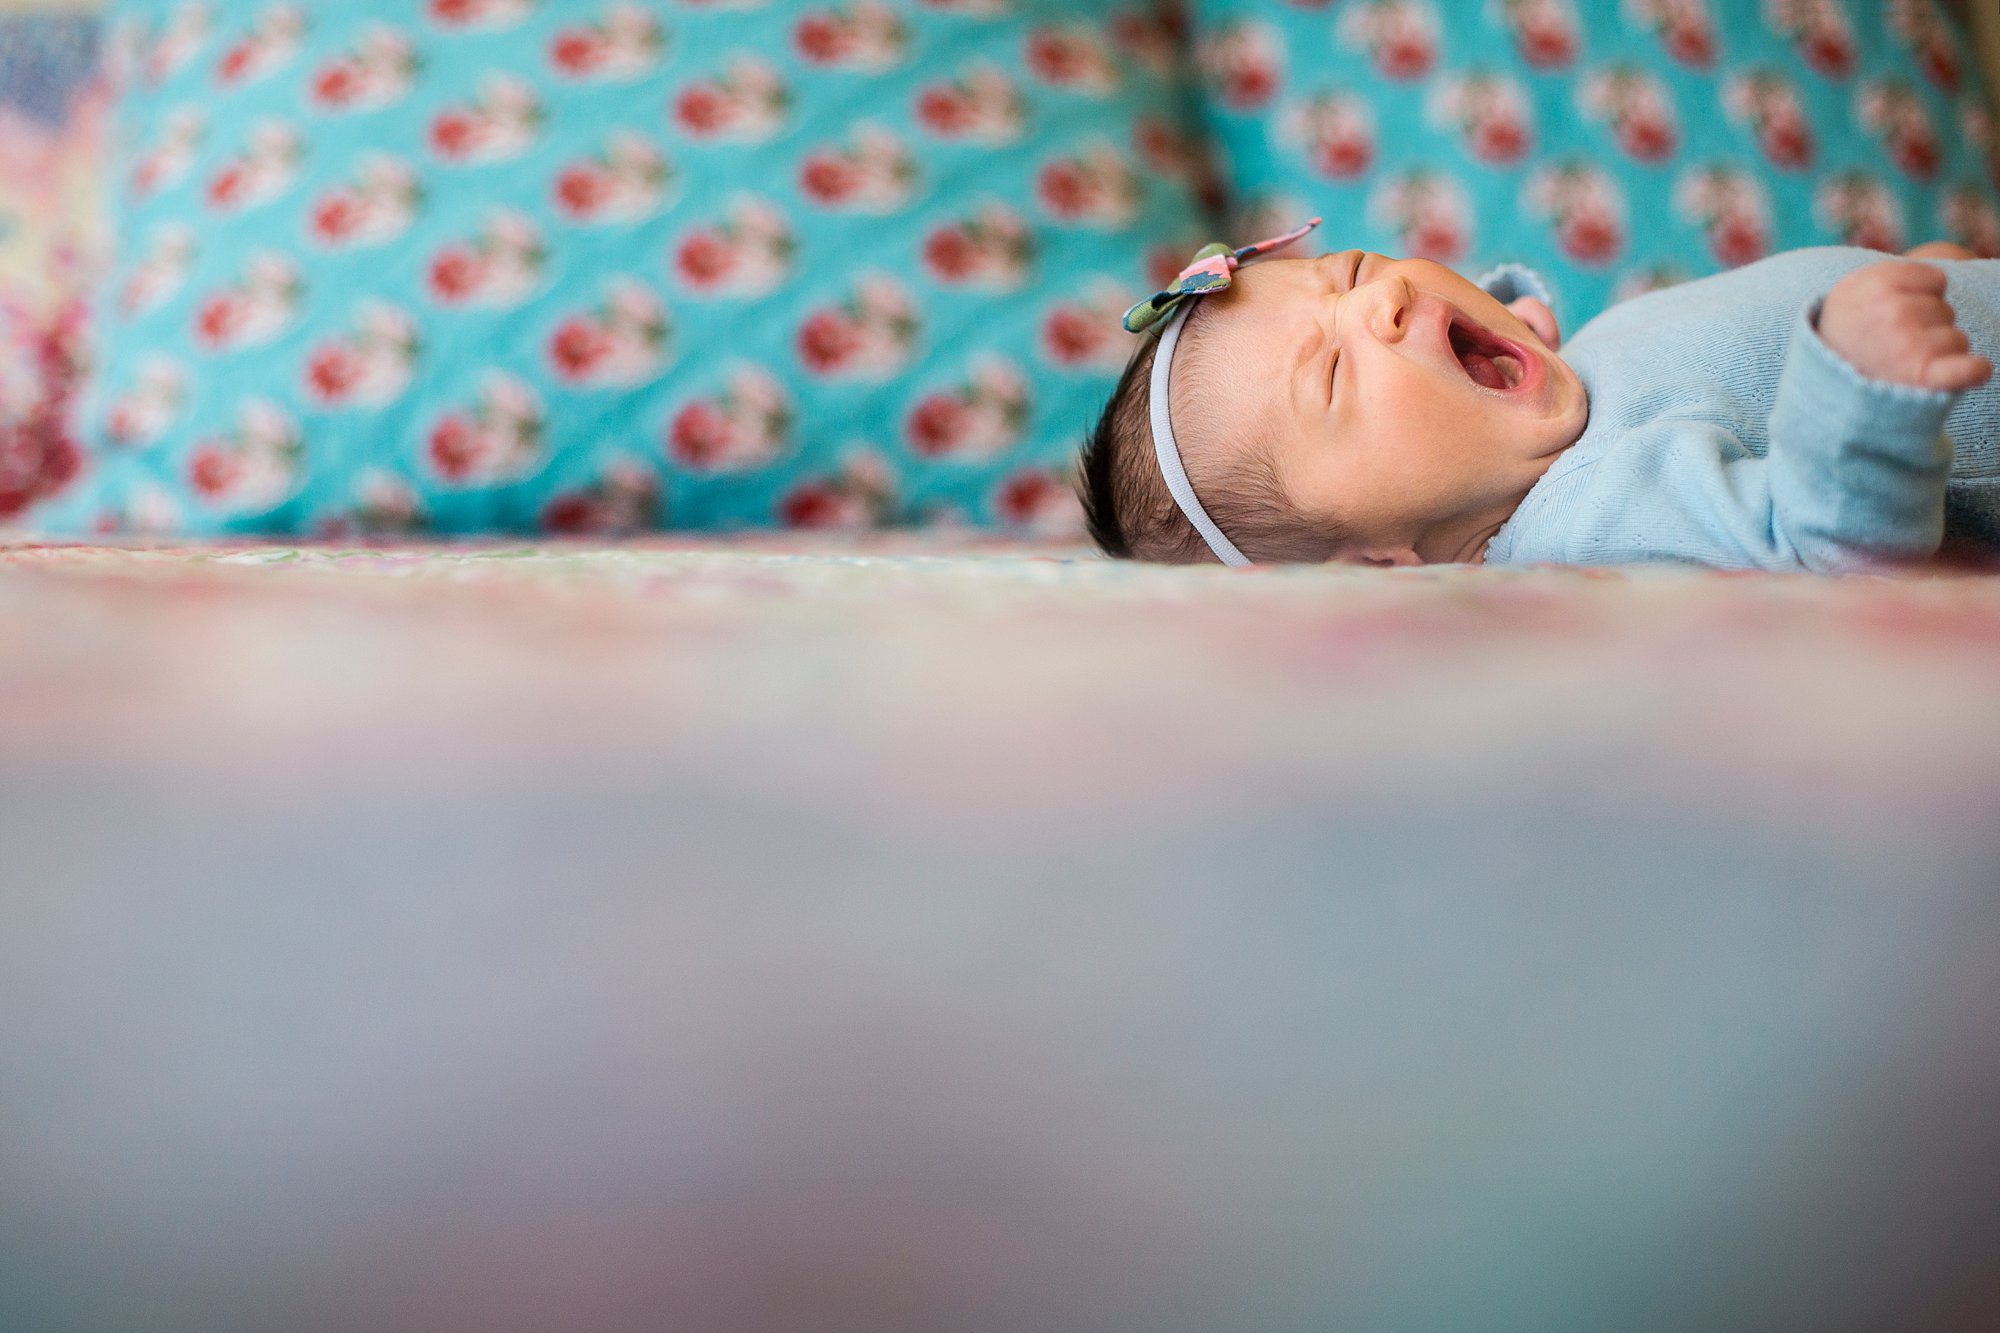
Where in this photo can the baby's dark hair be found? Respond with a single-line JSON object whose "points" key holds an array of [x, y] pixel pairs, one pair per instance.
{"points": [[1132, 514]]}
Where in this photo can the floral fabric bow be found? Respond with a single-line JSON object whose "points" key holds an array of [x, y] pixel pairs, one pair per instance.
{"points": [[1213, 269]]}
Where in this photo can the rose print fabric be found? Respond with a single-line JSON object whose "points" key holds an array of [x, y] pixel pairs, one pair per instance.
{"points": [[1615, 146], [601, 265], [52, 113]]}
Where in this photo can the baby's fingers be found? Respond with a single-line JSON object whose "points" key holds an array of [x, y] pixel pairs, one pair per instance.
{"points": [[1957, 373], [1908, 275]]}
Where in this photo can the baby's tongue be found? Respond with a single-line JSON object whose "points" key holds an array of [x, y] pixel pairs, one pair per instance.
{"points": [[1483, 371], [1477, 352]]}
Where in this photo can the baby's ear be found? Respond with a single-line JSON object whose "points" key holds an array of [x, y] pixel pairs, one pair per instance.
{"points": [[1386, 557], [1537, 316]]}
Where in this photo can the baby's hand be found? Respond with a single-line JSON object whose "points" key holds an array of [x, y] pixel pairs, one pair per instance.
{"points": [[1890, 321]]}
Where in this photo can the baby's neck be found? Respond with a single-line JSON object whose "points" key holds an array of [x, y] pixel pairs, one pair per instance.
{"points": [[1464, 542], [1465, 545]]}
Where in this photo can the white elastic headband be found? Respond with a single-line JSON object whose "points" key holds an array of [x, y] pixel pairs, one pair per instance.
{"points": [[1169, 453]]}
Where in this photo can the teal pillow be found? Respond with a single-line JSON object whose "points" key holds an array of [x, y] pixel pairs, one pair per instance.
{"points": [[1614, 146], [598, 265]]}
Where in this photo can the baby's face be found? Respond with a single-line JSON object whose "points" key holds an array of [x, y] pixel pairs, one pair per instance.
{"points": [[1396, 395]]}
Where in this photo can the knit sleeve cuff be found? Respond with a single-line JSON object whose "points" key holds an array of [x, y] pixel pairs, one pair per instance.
{"points": [[1823, 383], [1858, 466], [1508, 283]]}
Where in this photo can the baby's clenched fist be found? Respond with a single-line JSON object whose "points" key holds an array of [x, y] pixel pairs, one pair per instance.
{"points": [[1890, 321]]}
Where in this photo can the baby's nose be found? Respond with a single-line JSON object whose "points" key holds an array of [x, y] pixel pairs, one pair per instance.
{"points": [[1389, 313]]}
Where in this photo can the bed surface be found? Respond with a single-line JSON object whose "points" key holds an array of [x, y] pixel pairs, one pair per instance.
{"points": [[987, 680], [927, 932]]}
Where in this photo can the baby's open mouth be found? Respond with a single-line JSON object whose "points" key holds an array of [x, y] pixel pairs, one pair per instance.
{"points": [[1489, 362]]}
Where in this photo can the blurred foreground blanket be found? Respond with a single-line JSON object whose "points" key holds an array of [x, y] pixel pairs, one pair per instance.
{"points": [[914, 935]]}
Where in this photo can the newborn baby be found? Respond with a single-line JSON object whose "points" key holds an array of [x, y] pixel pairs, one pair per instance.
{"points": [[1796, 414]]}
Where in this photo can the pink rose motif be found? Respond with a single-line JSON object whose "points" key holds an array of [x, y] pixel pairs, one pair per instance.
{"points": [[1344, 154], [702, 109], [813, 505], [218, 322], [29, 473], [622, 502], [456, 275], [1405, 55], [1072, 336], [456, 447], [1872, 233], [1058, 58], [822, 40], [1026, 496], [1686, 30], [705, 260], [951, 255], [1647, 138], [457, 135], [700, 435], [1940, 66], [338, 85], [578, 53], [1737, 240], [579, 347], [333, 374], [829, 179], [828, 341], [1249, 84], [38, 455], [1689, 41], [35, 464], [571, 515], [228, 186], [937, 425], [123, 425], [338, 217], [1065, 190], [1546, 43], [1829, 51], [1916, 152], [1437, 238], [1590, 236], [1788, 143], [213, 471], [584, 190], [235, 64], [1499, 139], [457, 13], [945, 112]]}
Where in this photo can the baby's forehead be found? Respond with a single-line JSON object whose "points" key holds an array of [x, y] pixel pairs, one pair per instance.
{"points": [[1242, 332], [1268, 300], [1225, 387]]}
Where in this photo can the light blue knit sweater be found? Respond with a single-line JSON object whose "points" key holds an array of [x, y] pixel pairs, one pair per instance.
{"points": [[1723, 432]]}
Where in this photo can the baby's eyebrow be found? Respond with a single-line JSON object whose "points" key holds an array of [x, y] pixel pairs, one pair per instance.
{"points": [[1305, 351], [1314, 339], [1310, 347]]}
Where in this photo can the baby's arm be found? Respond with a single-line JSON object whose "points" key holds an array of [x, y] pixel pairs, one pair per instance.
{"points": [[1690, 492], [1858, 463], [1859, 460]]}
